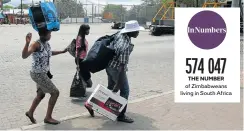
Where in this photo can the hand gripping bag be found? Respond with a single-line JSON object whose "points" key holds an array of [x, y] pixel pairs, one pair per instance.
{"points": [[44, 15]]}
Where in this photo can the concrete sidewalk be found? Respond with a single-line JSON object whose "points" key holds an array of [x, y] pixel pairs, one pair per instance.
{"points": [[162, 113]]}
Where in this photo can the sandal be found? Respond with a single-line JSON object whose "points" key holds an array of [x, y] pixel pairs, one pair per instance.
{"points": [[52, 123], [31, 118]]}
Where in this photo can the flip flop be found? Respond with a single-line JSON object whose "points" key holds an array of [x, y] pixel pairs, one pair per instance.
{"points": [[52, 123], [31, 118]]}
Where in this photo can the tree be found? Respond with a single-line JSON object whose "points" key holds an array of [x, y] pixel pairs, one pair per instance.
{"points": [[69, 8], [8, 7], [118, 11], [24, 6], [134, 12], [188, 3], [146, 11], [6, 1], [152, 2], [149, 8]]}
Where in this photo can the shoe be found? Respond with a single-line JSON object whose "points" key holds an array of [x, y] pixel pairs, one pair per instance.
{"points": [[89, 110], [89, 83], [52, 123], [125, 119]]}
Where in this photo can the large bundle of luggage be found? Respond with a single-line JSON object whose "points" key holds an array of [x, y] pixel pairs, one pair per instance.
{"points": [[101, 53]]}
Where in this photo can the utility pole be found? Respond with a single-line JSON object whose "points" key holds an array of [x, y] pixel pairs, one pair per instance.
{"points": [[21, 11], [146, 7], [98, 8], [86, 8], [95, 11], [76, 10], [92, 12], [1, 4]]}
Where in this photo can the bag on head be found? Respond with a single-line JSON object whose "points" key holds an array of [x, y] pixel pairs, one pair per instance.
{"points": [[44, 15]]}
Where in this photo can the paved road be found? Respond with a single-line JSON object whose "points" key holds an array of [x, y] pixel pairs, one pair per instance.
{"points": [[150, 71], [161, 113]]}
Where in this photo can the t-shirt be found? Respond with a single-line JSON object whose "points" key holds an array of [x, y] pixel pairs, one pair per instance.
{"points": [[78, 45]]}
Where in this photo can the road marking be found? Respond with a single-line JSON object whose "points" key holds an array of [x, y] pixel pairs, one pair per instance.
{"points": [[28, 127], [151, 97], [16, 129]]}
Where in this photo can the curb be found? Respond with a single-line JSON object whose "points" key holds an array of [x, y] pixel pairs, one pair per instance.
{"points": [[28, 127], [61, 120]]}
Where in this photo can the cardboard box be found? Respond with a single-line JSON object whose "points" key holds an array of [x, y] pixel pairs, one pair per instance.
{"points": [[106, 103]]}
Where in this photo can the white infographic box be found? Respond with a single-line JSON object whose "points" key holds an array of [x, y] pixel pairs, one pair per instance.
{"points": [[207, 55]]}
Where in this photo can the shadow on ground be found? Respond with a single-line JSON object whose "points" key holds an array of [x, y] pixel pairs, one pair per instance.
{"points": [[81, 100], [102, 123], [141, 123]]}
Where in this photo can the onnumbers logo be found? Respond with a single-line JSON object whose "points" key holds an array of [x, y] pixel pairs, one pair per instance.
{"points": [[207, 30]]}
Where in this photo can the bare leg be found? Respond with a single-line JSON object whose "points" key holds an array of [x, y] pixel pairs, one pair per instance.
{"points": [[52, 101], [40, 95]]}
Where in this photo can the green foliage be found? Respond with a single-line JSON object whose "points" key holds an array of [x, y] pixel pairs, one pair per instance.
{"points": [[146, 11], [149, 8], [24, 6], [69, 8], [188, 3], [152, 2], [6, 1], [8, 7]]}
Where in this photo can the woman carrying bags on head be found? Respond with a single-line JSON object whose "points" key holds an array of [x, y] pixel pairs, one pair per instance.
{"points": [[40, 73]]}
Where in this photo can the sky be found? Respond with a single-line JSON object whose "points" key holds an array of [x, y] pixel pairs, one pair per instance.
{"points": [[124, 2]]}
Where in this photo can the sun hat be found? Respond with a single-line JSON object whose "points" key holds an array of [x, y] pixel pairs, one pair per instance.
{"points": [[131, 26]]}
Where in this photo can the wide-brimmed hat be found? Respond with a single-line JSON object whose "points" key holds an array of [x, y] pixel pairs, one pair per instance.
{"points": [[131, 26]]}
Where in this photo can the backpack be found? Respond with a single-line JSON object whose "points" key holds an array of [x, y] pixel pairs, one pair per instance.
{"points": [[100, 54], [44, 15]]}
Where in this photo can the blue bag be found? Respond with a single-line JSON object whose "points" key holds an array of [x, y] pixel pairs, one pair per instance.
{"points": [[45, 16]]}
